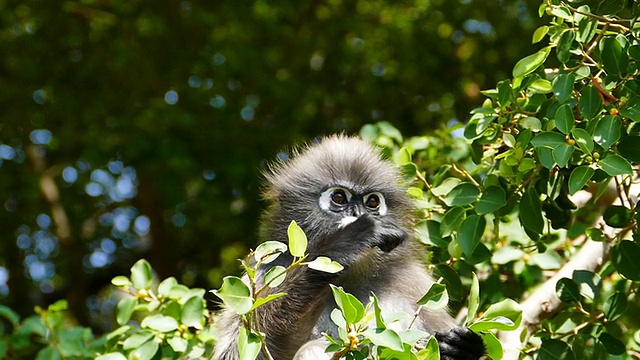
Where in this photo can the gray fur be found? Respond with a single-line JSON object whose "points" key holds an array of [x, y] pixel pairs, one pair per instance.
{"points": [[397, 277]]}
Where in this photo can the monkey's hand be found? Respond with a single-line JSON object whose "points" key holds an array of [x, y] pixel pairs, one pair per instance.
{"points": [[460, 343]]}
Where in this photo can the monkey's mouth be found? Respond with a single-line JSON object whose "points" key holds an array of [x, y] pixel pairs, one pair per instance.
{"points": [[346, 221]]}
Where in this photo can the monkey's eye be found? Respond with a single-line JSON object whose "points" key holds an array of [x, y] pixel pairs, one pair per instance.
{"points": [[339, 197], [372, 201]]}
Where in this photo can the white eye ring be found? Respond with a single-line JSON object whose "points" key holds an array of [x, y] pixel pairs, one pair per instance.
{"points": [[382, 204], [325, 201]]}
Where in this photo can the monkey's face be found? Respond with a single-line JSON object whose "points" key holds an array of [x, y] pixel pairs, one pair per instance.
{"points": [[348, 205]]}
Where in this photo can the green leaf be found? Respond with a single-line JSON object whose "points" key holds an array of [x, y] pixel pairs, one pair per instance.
{"points": [[624, 257], [7, 313], [111, 356], [493, 198], [531, 123], [268, 251], [632, 109], [471, 231], [529, 64], [564, 118], [492, 345], [297, 240], [275, 276], [541, 86], [590, 102], [463, 194], [164, 288], [324, 264], [474, 299], [452, 220], [548, 139], [431, 351], [49, 353], [507, 254], [612, 344], [429, 233], [402, 156], [586, 29], [249, 345], [160, 323], [351, 308], [608, 131], [562, 154], [193, 312], [141, 275], [505, 315], [615, 306], [617, 216], [615, 165], [553, 349], [385, 337], [451, 280], [579, 178], [614, 56], [125, 309], [137, 339], [235, 294], [263, 300], [539, 34], [589, 283], [563, 87], [629, 149], [178, 344], [583, 139], [435, 298], [121, 281], [563, 49], [568, 290], [145, 352], [530, 211]]}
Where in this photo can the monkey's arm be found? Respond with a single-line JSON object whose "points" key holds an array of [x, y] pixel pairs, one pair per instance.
{"points": [[460, 343]]}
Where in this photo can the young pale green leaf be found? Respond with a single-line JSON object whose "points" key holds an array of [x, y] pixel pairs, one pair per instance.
{"points": [[562, 154], [492, 345], [463, 194], [541, 86], [125, 309], [590, 102], [324, 264], [607, 131], [531, 123], [385, 337], [121, 281], [268, 251], [137, 339], [583, 139], [568, 291], [530, 63], [548, 139], [614, 57], [589, 282], [471, 232], [178, 344], [612, 344], [249, 345], [431, 351], [629, 149], [146, 351], [351, 308], [530, 211], [263, 300], [297, 240], [563, 87], [539, 34], [435, 298], [164, 288], [562, 12], [505, 315], [553, 349], [141, 275], [507, 254], [235, 294], [111, 356], [624, 257], [579, 178], [160, 323], [615, 306], [193, 312], [402, 156], [615, 165], [474, 299], [452, 220], [565, 44], [275, 276], [377, 312], [492, 199], [564, 118]]}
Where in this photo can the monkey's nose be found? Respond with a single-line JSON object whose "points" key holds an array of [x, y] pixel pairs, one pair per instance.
{"points": [[355, 210]]}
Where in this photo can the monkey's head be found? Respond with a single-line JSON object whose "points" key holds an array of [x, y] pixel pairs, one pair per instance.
{"points": [[328, 186]]}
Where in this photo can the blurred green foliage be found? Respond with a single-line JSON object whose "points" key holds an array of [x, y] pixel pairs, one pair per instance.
{"points": [[139, 128]]}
